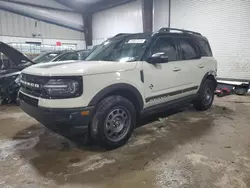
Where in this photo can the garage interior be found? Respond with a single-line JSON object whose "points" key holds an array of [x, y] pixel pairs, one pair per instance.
{"points": [[176, 148]]}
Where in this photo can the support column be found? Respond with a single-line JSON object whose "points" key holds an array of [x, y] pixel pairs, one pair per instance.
{"points": [[88, 29], [147, 15]]}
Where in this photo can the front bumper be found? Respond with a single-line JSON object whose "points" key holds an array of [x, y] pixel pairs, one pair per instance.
{"points": [[67, 121]]}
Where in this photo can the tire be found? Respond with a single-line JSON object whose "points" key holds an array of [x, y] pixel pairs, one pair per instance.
{"points": [[205, 96], [113, 122]]}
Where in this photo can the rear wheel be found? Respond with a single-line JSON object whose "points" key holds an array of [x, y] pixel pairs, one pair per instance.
{"points": [[113, 122], [205, 96]]}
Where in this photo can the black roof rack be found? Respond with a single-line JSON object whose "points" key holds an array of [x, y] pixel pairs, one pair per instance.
{"points": [[121, 34], [166, 29]]}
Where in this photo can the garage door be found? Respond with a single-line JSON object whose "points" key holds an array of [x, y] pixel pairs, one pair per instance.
{"points": [[122, 19], [226, 23]]}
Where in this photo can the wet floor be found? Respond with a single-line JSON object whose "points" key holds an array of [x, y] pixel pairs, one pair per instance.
{"points": [[176, 149]]}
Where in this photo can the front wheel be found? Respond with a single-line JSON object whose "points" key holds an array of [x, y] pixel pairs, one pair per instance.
{"points": [[113, 122], [205, 96]]}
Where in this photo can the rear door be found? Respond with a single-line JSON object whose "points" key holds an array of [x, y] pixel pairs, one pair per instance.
{"points": [[191, 59]]}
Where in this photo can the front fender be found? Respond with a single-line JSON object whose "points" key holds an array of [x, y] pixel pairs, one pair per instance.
{"points": [[116, 87]]}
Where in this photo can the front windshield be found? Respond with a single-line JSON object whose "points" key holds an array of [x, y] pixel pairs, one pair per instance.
{"points": [[46, 57], [124, 48]]}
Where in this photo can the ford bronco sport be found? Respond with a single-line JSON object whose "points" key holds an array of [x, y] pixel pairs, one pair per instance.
{"points": [[126, 76]]}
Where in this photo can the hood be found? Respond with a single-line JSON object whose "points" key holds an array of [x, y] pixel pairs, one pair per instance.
{"points": [[73, 68], [14, 55]]}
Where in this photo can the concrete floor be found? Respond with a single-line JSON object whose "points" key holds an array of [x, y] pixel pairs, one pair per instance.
{"points": [[184, 149]]}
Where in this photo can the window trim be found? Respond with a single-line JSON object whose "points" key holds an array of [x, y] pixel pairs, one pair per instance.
{"points": [[197, 48]]}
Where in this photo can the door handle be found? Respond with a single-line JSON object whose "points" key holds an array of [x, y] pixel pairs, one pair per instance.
{"points": [[201, 66], [176, 69]]}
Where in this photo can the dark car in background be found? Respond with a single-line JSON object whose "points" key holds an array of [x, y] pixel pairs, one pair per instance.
{"points": [[61, 56], [12, 62], [73, 55], [47, 56]]}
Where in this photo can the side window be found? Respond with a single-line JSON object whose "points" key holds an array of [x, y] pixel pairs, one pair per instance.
{"points": [[188, 49], [166, 45]]}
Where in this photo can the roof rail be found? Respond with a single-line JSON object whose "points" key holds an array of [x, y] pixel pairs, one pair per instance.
{"points": [[167, 29], [121, 34]]}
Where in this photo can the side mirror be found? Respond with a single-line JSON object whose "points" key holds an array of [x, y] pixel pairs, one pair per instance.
{"points": [[160, 57]]}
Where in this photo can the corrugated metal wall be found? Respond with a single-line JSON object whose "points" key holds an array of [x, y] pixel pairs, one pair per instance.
{"points": [[58, 17], [122, 19], [225, 23], [20, 26]]}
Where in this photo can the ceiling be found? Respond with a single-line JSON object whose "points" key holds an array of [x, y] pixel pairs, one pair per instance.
{"points": [[80, 6], [65, 13], [84, 6], [44, 3]]}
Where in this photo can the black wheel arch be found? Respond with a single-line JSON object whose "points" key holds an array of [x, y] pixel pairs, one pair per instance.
{"points": [[126, 90], [211, 76]]}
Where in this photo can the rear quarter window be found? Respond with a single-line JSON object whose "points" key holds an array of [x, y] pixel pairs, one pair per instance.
{"points": [[206, 50]]}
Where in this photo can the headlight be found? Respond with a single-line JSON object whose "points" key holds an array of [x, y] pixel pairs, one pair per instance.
{"points": [[63, 88]]}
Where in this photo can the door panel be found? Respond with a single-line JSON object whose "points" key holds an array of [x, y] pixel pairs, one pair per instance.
{"points": [[195, 71], [166, 81], [162, 82], [198, 69]]}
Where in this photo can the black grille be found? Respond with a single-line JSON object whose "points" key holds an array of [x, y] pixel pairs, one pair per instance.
{"points": [[34, 85], [28, 100], [35, 80]]}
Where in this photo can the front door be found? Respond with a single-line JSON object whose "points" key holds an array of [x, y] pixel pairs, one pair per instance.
{"points": [[164, 82]]}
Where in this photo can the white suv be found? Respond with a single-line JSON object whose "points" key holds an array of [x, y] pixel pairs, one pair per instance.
{"points": [[128, 75]]}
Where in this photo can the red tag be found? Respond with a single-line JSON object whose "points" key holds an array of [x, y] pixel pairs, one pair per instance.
{"points": [[58, 43]]}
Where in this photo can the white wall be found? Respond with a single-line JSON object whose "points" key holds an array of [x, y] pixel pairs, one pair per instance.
{"points": [[226, 24], [16, 28], [122, 19], [160, 14]]}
